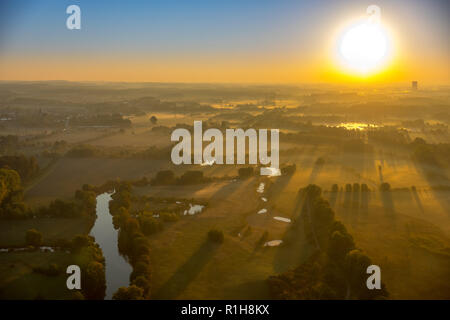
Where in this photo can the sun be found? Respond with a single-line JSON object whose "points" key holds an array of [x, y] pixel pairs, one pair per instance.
{"points": [[364, 47]]}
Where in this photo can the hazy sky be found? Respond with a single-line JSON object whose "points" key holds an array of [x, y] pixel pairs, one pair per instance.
{"points": [[213, 41]]}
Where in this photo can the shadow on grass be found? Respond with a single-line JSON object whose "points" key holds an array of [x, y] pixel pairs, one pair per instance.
{"points": [[417, 199], [277, 188], [316, 170], [227, 190], [435, 176], [333, 196], [251, 290], [380, 174], [186, 273], [294, 248], [388, 202], [365, 199]]}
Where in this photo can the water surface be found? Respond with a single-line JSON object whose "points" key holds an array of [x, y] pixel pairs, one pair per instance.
{"points": [[118, 269]]}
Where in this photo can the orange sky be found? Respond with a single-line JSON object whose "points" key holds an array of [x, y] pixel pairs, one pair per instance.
{"points": [[280, 43]]}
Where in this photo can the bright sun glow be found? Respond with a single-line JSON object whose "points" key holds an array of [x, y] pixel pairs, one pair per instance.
{"points": [[364, 47]]}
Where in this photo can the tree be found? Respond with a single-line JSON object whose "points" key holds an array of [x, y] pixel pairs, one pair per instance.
{"points": [[150, 225], [153, 120], [164, 177], [10, 184], [33, 238], [191, 177], [312, 192], [3, 190], [132, 292], [340, 244], [26, 167], [121, 217], [77, 295], [80, 241], [143, 283], [385, 187], [348, 187], [335, 188], [356, 264], [140, 269], [322, 214], [93, 281]]}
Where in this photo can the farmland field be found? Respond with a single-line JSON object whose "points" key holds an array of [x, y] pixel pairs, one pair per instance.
{"points": [[385, 178]]}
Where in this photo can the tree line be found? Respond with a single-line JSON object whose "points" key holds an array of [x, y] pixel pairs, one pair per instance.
{"points": [[336, 269], [12, 205]]}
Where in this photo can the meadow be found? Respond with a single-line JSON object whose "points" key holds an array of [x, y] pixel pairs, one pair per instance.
{"points": [[405, 230]]}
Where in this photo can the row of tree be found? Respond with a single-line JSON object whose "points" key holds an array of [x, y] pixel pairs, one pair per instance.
{"points": [[11, 195], [12, 205], [337, 268], [26, 167], [132, 243], [167, 177], [93, 281]]}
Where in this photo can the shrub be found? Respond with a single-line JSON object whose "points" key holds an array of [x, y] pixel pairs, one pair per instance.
{"points": [[150, 225], [192, 177]]}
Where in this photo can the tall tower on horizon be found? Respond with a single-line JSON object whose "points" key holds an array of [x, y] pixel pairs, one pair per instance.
{"points": [[414, 85]]}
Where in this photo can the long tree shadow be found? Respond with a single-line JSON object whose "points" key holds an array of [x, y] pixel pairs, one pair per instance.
{"points": [[365, 199], [388, 202], [230, 188], [316, 170], [347, 199], [186, 273], [417, 199], [293, 251], [435, 176], [333, 195], [250, 290], [278, 186], [380, 173], [355, 202]]}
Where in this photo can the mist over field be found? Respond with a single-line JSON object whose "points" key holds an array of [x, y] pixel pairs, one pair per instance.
{"points": [[364, 180]]}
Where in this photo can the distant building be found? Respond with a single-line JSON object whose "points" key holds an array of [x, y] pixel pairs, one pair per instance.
{"points": [[414, 85]]}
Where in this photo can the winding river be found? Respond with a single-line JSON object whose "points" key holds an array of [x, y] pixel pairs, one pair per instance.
{"points": [[118, 269]]}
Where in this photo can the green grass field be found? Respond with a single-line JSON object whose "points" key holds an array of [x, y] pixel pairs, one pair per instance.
{"points": [[186, 265], [12, 233], [409, 245], [19, 281]]}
